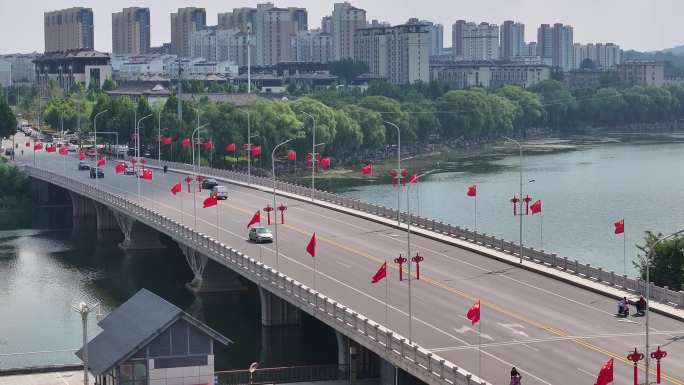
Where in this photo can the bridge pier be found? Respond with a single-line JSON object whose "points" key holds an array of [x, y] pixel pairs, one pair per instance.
{"points": [[137, 236], [106, 220], [81, 206], [276, 311], [361, 363], [216, 278]]}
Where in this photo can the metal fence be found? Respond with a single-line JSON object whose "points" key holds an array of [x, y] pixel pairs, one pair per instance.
{"points": [[384, 342], [585, 270], [283, 375]]}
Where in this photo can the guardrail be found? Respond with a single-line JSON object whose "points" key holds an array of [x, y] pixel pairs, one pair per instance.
{"points": [[596, 274], [282, 375], [384, 342]]}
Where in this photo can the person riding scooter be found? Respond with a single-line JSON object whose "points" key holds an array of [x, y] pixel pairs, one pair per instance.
{"points": [[623, 307], [641, 306]]}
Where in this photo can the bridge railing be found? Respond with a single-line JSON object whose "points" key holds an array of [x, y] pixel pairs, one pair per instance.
{"points": [[386, 343], [573, 266], [289, 374]]}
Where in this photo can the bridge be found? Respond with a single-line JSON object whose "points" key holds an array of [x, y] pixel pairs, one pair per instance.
{"points": [[554, 321]]}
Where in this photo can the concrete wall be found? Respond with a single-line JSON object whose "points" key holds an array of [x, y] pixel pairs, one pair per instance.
{"points": [[191, 375]]}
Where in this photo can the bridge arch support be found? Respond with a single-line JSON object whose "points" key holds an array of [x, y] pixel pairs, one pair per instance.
{"points": [[277, 312], [81, 206], [137, 235], [209, 276]]}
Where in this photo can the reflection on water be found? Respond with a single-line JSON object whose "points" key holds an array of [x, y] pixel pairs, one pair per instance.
{"points": [[45, 272]]}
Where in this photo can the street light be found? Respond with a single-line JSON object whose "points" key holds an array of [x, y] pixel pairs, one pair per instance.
{"points": [[398, 168], [194, 191], [95, 144], [521, 194], [84, 310], [274, 195], [313, 154], [137, 150], [648, 297]]}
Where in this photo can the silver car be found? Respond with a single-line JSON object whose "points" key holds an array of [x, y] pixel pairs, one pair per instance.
{"points": [[260, 234]]}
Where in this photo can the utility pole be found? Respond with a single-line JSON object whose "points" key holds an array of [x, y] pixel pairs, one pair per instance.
{"points": [[180, 91]]}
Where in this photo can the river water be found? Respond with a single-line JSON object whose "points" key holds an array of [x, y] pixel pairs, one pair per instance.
{"points": [[640, 179], [44, 272]]}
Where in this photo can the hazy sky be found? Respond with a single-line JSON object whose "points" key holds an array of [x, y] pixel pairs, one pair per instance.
{"points": [[633, 24]]}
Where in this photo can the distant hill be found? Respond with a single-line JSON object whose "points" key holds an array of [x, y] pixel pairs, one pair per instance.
{"points": [[673, 58], [679, 50]]}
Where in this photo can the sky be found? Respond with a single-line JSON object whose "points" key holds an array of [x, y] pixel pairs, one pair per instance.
{"points": [[644, 25]]}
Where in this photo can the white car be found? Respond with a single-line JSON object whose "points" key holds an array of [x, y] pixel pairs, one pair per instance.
{"points": [[221, 192], [260, 234]]}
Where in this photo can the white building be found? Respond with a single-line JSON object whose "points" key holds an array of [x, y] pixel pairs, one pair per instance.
{"points": [[5, 73], [489, 74], [345, 20], [512, 40], [400, 53], [480, 41], [213, 44], [23, 68], [312, 46], [606, 55], [125, 67]]}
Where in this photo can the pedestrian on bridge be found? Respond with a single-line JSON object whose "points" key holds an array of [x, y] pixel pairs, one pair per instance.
{"points": [[515, 377]]}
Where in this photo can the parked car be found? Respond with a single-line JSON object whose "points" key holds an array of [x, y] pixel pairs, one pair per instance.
{"points": [[129, 170], [209, 183], [260, 234], [100, 173], [83, 166], [221, 192], [9, 151], [90, 152]]}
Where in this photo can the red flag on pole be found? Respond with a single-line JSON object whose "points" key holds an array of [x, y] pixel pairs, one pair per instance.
{"points": [[311, 247], [38, 146], [230, 147], [185, 142], [120, 168], [256, 218], [63, 151], [472, 191], [414, 177], [210, 201], [256, 151], [474, 313], [619, 226], [404, 176], [28, 143], [605, 375], [50, 148], [367, 169], [176, 188], [382, 273], [325, 162], [147, 174], [167, 140], [208, 144], [536, 207], [102, 162], [81, 155], [291, 155]]}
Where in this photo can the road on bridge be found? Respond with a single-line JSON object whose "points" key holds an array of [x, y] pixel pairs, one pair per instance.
{"points": [[553, 332]]}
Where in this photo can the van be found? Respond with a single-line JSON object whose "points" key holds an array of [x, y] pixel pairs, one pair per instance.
{"points": [[221, 192]]}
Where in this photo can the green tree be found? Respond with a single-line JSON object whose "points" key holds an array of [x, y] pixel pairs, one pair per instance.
{"points": [[557, 101], [371, 125], [348, 138], [469, 114], [275, 121], [8, 122], [667, 264], [528, 103], [391, 111], [326, 126], [607, 106]]}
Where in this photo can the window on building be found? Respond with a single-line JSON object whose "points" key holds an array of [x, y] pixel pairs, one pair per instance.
{"points": [[134, 373]]}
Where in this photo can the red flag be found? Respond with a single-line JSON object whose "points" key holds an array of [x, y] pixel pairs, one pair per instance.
{"points": [[210, 201], [472, 191], [381, 273], [50, 149], [311, 247], [81, 155], [38, 146], [474, 313], [414, 177], [393, 174], [367, 169], [185, 142], [208, 144], [230, 147], [256, 218], [147, 174], [28, 143], [176, 188], [256, 151], [167, 140], [605, 375], [325, 162], [120, 168], [404, 176], [102, 162], [536, 207], [291, 155], [619, 226], [63, 151]]}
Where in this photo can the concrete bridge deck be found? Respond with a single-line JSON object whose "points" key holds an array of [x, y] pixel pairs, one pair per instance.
{"points": [[553, 332]]}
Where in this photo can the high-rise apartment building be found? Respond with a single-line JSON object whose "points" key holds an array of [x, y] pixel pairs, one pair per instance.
{"points": [[480, 41], [131, 31], [512, 40], [183, 23], [606, 55], [346, 19], [273, 29], [69, 29], [400, 53], [239, 18], [554, 45], [312, 46], [642, 73], [326, 24], [436, 38], [219, 45], [457, 39]]}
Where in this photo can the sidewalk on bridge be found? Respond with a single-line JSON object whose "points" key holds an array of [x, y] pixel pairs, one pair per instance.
{"points": [[48, 378]]}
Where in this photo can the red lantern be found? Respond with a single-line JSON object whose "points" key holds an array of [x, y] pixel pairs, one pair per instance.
{"points": [[635, 357], [188, 180], [400, 260], [527, 201], [291, 155], [185, 142], [268, 210], [256, 151], [417, 259], [282, 209], [230, 147], [515, 201], [658, 355], [325, 162], [167, 140]]}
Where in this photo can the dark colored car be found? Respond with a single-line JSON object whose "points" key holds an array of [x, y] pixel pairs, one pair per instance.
{"points": [[209, 183], [129, 170], [83, 166], [100, 173]]}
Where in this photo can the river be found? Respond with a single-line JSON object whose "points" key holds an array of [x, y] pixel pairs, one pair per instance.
{"points": [[584, 189], [44, 272]]}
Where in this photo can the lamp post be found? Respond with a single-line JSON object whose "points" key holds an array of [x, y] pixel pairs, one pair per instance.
{"points": [[313, 153], [521, 194], [137, 150], [95, 143], [398, 169], [274, 195], [648, 296], [84, 310], [194, 192]]}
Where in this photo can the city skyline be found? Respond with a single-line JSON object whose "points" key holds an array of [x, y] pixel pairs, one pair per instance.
{"points": [[592, 22]]}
